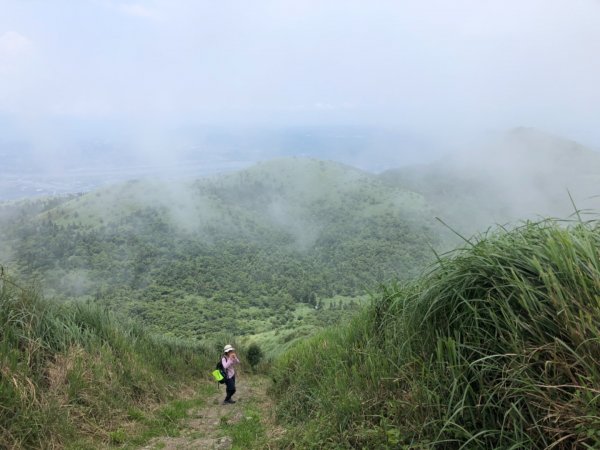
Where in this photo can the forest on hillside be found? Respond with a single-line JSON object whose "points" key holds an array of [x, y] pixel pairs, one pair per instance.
{"points": [[258, 254]]}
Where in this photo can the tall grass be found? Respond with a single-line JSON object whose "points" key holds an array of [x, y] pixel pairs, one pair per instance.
{"points": [[70, 371], [496, 346]]}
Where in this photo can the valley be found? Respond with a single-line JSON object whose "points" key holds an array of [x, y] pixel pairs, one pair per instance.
{"points": [[283, 248]]}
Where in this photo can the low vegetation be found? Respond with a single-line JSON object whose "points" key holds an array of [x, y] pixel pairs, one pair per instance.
{"points": [[497, 346], [72, 375]]}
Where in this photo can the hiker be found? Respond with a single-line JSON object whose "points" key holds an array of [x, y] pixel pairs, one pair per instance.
{"points": [[229, 360]]}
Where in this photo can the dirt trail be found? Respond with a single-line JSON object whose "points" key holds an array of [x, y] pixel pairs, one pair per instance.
{"points": [[203, 427]]}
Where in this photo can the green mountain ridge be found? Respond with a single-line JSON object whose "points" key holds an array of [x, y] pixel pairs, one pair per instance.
{"points": [[277, 190], [270, 243]]}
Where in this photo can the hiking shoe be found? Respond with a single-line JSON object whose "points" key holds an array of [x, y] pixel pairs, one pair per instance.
{"points": [[228, 402]]}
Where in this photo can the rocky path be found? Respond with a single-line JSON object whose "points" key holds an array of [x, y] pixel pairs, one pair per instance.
{"points": [[214, 426]]}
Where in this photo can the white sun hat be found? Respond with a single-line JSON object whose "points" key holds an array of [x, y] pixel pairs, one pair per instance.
{"points": [[228, 348]]}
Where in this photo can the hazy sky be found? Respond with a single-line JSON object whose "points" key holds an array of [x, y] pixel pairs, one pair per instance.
{"points": [[425, 66]]}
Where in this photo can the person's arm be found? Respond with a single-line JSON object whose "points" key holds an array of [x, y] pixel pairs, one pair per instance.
{"points": [[227, 362]]}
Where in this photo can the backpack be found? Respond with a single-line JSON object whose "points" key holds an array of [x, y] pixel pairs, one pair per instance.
{"points": [[220, 374]]}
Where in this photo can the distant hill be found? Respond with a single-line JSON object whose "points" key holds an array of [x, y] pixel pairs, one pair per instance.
{"points": [[524, 173], [238, 251], [295, 196]]}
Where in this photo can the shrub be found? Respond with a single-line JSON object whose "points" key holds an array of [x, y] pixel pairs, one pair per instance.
{"points": [[254, 355]]}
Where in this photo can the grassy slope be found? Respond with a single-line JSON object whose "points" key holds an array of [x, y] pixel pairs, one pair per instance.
{"points": [[497, 346], [74, 376]]}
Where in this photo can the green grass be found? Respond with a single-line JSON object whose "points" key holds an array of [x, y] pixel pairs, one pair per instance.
{"points": [[248, 432], [73, 374], [496, 346], [304, 321]]}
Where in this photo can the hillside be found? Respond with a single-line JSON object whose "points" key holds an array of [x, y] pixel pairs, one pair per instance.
{"points": [[285, 245], [76, 377], [524, 173], [497, 346]]}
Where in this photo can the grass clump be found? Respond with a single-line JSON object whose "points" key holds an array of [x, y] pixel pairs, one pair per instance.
{"points": [[248, 432], [496, 346], [73, 373]]}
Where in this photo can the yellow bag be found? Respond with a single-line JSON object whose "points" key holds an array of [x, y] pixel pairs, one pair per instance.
{"points": [[218, 376]]}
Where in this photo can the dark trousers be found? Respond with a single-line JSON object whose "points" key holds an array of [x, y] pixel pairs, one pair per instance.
{"points": [[230, 387]]}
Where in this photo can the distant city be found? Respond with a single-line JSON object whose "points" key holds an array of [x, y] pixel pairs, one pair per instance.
{"points": [[72, 181], [32, 170]]}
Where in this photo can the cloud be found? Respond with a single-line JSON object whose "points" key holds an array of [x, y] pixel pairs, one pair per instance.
{"points": [[13, 44], [431, 67], [138, 10], [15, 59], [324, 105]]}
